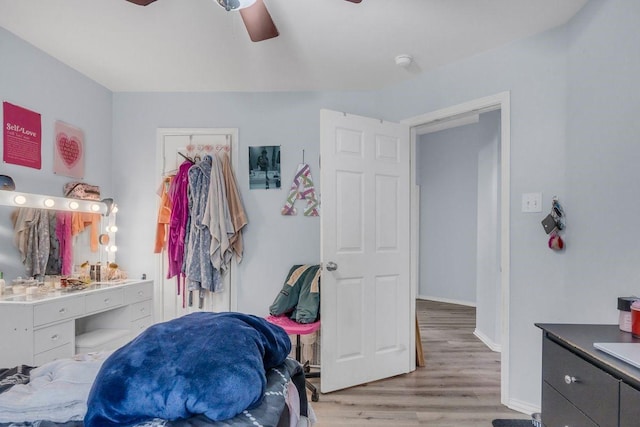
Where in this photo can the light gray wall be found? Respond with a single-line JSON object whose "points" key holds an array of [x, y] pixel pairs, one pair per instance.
{"points": [[273, 243], [35, 81], [448, 182], [574, 131]]}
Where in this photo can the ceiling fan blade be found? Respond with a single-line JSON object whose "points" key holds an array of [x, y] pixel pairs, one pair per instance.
{"points": [[258, 21], [141, 2]]}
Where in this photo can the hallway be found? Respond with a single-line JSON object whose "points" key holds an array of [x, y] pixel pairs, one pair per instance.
{"points": [[459, 387]]}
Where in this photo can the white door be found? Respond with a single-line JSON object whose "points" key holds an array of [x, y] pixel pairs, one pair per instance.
{"points": [[367, 322], [193, 143]]}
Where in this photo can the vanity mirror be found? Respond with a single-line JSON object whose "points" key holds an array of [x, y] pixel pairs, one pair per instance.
{"points": [[98, 218]]}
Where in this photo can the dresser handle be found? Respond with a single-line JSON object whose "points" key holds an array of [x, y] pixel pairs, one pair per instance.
{"points": [[142, 310], [569, 379], [54, 337], [140, 293], [62, 310], [107, 300]]}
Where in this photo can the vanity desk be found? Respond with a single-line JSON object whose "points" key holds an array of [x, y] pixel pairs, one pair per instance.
{"points": [[35, 329], [583, 386]]}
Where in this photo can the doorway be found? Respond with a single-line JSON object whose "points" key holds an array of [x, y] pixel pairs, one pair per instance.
{"points": [[499, 102], [174, 146]]}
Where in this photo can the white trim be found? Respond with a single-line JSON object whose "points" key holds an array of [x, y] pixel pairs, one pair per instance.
{"points": [[523, 407], [447, 300], [448, 124], [501, 101], [160, 134], [487, 341], [414, 244]]}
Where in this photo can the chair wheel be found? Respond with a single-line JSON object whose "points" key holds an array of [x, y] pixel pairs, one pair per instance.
{"points": [[315, 397]]}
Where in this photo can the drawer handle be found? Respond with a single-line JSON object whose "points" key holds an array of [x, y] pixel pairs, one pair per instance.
{"points": [[569, 379], [140, 293], [142, 310], [54, 337], [62, 310], [107, 300]]}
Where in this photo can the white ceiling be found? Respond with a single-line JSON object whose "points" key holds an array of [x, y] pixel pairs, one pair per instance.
{"points": [[195, 45]]}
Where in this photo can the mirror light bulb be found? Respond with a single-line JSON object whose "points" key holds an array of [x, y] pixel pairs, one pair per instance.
{"points": [[112, 229], [95, 207], [49, 203], [74, 205], [115, 209], [20, 200]]}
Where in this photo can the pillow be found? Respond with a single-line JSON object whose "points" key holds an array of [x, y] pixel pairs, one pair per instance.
{"points": [[202, 363]]}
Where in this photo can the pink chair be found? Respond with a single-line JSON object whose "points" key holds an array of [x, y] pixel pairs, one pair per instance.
{"points": [[298, 329]]}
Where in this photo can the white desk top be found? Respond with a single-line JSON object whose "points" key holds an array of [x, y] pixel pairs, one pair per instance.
{"points": [[46, 294]]}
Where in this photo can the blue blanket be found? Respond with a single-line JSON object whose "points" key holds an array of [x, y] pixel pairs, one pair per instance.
{"points": [[212, 364]]}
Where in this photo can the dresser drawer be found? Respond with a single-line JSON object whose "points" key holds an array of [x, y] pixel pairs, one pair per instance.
{"points": [[61, 352], [139, 292], [104, 300], [141, 309], [137, 326], [57, 310], [559, 412], [53, 336], [581, 383], [629, 406]]}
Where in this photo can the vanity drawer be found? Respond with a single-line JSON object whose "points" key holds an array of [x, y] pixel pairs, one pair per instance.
{"points": [[141, 309], [53, 336], [558, 411], [54, 311], [139, 292], [104, 300], [584, 385], [137, 326], [61, 352]]}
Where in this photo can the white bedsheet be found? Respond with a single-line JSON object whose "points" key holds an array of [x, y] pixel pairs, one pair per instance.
{"points": [[57, 391]]}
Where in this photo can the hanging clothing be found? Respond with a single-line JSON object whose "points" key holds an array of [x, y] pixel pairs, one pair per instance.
{"points": [[54, 263], [236, 208], [164, 215], [178, 190], [218, 220], [81, 220], [63, 233], [199, 269], [31, 236], [302, 188]]}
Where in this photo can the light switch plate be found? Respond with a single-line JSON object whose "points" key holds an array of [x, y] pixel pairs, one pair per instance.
{"points": [[531, 202]]}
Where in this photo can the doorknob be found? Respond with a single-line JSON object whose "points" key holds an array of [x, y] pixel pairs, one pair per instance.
{"points": [[332, 266]]}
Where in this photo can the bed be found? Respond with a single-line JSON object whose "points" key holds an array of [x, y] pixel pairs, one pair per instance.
{"points": [[200, 370]]}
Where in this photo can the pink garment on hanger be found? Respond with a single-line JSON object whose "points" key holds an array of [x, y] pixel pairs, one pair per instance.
{"points": [[63, 233], [178, 220]]}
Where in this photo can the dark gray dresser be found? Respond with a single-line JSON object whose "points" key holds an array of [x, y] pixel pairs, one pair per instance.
{"points": [[583, 386]]}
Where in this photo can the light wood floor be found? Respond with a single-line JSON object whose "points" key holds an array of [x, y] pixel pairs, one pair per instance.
{"points": [[460, 385]]}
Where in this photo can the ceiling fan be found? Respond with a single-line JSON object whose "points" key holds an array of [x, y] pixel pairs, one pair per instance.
{"points": [[254, 14]]}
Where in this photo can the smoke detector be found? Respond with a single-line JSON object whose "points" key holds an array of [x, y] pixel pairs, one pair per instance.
{"points": [[404, 60]]}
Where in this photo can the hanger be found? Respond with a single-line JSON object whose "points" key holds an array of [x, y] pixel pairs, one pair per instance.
{"points": [[187, 158]]}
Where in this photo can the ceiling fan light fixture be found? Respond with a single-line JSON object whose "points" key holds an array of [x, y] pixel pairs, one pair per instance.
{"points": [[235, 4]]}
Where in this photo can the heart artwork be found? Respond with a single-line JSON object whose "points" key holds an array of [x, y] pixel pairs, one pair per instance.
{"points": [[69, 149]]}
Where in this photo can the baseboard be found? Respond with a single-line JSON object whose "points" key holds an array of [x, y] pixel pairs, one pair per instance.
{"points": [[488, 342], [523, 407], [447, 300]]}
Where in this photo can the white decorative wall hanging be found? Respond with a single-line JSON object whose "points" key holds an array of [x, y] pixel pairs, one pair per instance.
{"points": [[302, 188]]}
